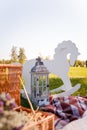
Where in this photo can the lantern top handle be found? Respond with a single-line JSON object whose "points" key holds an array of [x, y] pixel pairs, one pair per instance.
{"points": [[39, 62]]}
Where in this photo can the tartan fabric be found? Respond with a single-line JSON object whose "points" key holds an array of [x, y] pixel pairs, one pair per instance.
{"points": [[66, 109]]}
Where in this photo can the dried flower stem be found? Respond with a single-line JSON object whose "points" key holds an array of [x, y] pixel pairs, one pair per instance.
{"points": [[27, 95]]}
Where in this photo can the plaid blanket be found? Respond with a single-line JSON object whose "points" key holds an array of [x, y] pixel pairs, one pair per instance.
{"points": [[66, 109]]}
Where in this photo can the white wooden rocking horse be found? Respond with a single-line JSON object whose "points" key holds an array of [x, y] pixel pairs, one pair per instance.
{"points": [[59, 66]]}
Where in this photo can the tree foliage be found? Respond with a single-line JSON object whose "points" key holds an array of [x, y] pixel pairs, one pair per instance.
{"points": [[22, 56], [14, 56], [18, 56], [86, 63], [80, 63]]}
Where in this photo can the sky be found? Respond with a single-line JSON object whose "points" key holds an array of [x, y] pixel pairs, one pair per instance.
{"points": [[39, 26]]}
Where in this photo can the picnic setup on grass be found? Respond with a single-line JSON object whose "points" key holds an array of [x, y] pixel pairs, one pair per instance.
{"points": [[53, 110]]}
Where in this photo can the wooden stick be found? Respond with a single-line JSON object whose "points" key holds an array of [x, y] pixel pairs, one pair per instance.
{"points": [[27, 95]]}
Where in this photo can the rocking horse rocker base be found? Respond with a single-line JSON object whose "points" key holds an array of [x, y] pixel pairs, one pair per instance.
{"points": [[67, 92]]}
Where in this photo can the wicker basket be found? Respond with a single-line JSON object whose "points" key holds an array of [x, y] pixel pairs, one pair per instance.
{"points": [[45, 124], [9, 81]]}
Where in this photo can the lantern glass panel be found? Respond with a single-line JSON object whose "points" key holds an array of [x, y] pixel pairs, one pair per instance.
{"points": [[40, 80], [34, 92], [34, 82]]}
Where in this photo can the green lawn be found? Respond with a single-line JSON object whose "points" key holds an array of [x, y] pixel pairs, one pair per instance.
{"points": [[77, 75], [79, 72]]}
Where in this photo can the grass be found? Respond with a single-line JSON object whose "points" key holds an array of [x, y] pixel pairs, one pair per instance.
{"points": [[57, 82], [24, 102], [79, 72], [76, 74], [83, 89]]}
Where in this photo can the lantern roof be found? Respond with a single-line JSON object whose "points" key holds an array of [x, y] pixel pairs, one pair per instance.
{"points": [[39, 67]]}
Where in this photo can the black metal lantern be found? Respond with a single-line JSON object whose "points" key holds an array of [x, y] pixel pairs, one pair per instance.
{"points": [[39, 81]]}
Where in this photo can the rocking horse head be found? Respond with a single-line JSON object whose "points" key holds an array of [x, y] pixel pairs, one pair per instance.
{"points": [[64, 49]]}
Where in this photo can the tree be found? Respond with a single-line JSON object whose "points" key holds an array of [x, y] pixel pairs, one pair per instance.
{"points": [[22, 56], [86, 63], [14, 56], [79, 63]]}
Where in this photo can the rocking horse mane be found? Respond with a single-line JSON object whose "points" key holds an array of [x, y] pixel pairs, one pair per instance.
{"points": [[65, 48]]}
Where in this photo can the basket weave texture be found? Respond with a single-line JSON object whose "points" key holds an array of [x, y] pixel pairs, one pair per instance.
{"points": [[45, 124], [9, 81]]}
